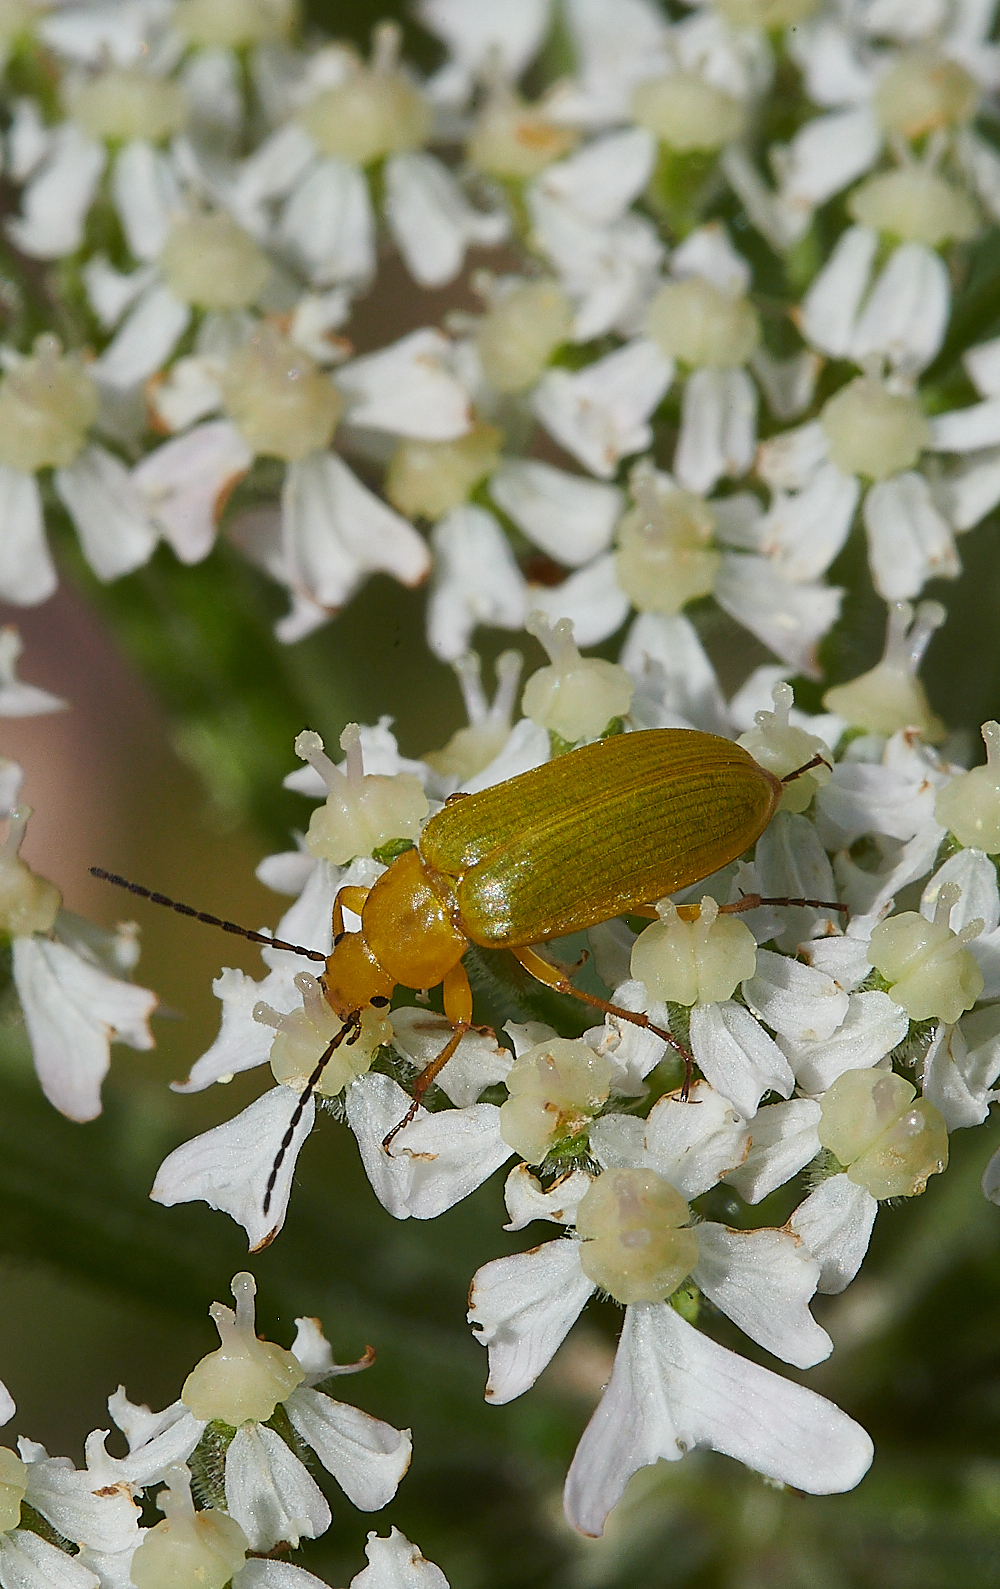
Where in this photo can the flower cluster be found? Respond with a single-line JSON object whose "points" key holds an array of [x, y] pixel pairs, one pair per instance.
{"points": [[227, 1465]]}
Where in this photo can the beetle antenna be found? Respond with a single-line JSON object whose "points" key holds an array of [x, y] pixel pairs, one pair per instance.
{"points": [[203, 915], [351, 1026], [819, 760]]}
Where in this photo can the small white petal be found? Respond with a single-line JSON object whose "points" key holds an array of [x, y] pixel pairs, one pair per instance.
{"points": [[104, 1522], [830, 307], [967, 429], [790, 619], [366, 1456], [156, 1439], [845, 958], [528, 746], [259, 1573], [56, 201], [145, 341], [873, 1026], [909, 541], [983, 365], [478, 1062], [783, 1140], [269, 1492], [600, 414], [669, 663], [718, 428], [865, 798], [526, 1201], [478, 32], [960, 1068], [788, 461], [228, 1168], [796, 1000], [407, 388], [27, 573], [764, 1281], [432, 221], [971, 490], [693, 1144], [522, 1308], [476, 580], [828, 153], [394, 1563], [788, 384], [708, 252], [7, 1407], [835, 1223], [328, 223], [568, 516], [804, 531], [435, 1161], [673, 1390], [73, 1011], [907, 311], [110, 291], [736, 1055], [792, 864], [29, 1562], [591, 599], [108, 512], [184, 482], [28, 139], [147, 197]]}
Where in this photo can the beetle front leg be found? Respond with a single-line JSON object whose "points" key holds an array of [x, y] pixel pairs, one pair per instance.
{"points": [[350, 898], [553, 977]]}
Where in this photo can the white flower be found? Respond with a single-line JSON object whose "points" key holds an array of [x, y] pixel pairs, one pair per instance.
{"points": [[601, 413], [480, 35], [18, 699]]}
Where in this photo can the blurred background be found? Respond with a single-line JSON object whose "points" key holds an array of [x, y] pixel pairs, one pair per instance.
{"points": [[168, 768]]}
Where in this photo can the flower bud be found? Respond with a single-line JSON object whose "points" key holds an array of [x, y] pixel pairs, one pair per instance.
{"points": [[375, 111], [693, 962], [427, 478], [471, 749], [520, 332], [923, 91], [188, 1547], [212, 263], [555, 1090], [887, 1143], [28, 903], [664, 558], [302, 1037], [121, 104], [13, 1483], [779, 747], [513, 140], [636, 1245], [871, 431], [915, 205], [687, 113], [246, 1377], [970, 804], [282, 404], [890, 696], [234, 24], [362, 812], [931, 973], [697, 323], [577, 697], [47, 404]]}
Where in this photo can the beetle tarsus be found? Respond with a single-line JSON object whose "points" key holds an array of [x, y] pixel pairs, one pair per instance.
{"points": [[819, 760]]}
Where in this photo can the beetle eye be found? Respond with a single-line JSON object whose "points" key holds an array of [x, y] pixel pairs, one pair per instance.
{"points": [[339, 938], [378, 1002]]}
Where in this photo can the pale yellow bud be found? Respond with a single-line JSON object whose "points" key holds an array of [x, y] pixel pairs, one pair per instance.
{"points": [[555, 1090], [47, 404], [517, 141], [122, 104], [234, 24], [246, 1377], [970, 804], [687, 113], [375, 111], [693, 321], [694, 962], [924, 91], [872, 431], [362, 812], [765, 13], [189, 1549], [13, 1483], [302, 1037], [779, 747], [211, 262], [915, 205], [281, 403], [520, 332], [931, 973], [471, 749], [890, 696], [577, 697], [427, 478], [664, 558], [635, 1246], [888, 1143], [27, 902]]}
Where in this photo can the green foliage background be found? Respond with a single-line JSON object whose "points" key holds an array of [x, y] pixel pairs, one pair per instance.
{"points": [[98, 1283]]}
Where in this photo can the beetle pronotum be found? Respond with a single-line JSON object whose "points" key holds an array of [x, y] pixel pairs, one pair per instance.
{"points": [[603, 831]]}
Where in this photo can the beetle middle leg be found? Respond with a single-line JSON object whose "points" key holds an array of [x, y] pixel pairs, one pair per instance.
{"points": [[457, 995]]}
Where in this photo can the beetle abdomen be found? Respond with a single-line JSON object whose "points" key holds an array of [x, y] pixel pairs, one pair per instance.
{"points": [[597, 832]]}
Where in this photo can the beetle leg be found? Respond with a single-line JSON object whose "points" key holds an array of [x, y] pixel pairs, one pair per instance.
{"points": [[819, 760], [349, 898], [552, 977], [423, 1081], [457, 995], [348, 1034]]}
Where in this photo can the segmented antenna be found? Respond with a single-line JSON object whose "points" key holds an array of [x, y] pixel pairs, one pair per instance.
{"points": [[352, 1025], [203, 915]]}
